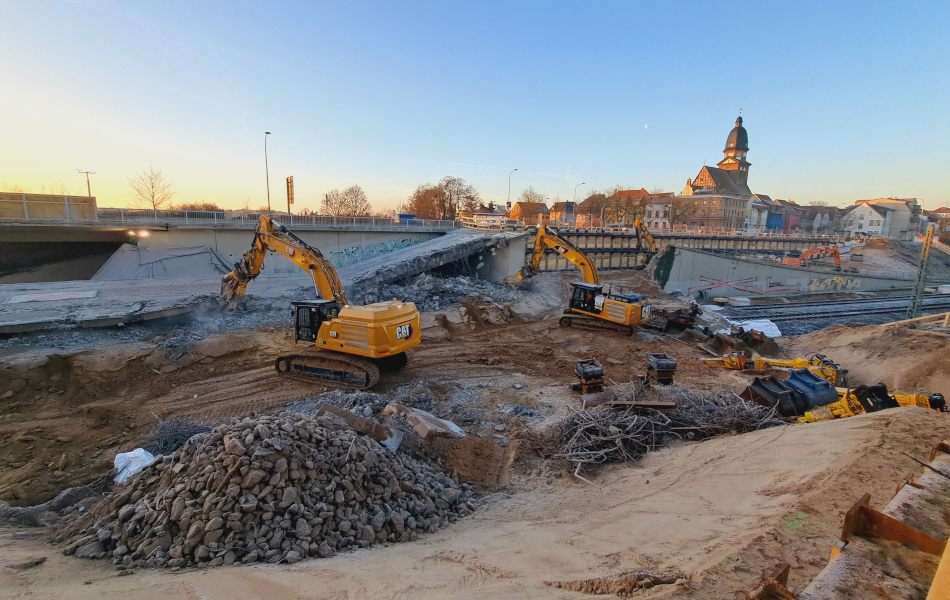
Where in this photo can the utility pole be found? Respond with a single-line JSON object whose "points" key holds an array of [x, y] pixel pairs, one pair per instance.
{"points": [[916, 299], [266, 169], [87, 172]]}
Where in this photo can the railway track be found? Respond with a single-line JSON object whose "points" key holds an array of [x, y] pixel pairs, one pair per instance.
{"points": [[836, 309]]}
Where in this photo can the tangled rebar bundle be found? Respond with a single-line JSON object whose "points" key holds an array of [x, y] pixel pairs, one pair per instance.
{"points": [[169, 436], [605, 434]]}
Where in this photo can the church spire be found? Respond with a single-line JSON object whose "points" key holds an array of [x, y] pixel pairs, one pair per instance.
{"points": [[737, 144]]}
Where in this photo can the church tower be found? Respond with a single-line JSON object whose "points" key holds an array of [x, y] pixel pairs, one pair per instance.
{"points": [[737, 144]]}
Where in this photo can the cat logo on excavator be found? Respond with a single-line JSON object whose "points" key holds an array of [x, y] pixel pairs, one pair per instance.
{"points": [[404, 332]]}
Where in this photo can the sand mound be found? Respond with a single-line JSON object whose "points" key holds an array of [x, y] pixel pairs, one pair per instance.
{"points": [[904, 359]]}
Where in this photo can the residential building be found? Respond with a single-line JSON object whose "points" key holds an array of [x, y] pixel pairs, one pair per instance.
{"points": [[530, 213], [898, 218], [757, 213], [563, 213]]}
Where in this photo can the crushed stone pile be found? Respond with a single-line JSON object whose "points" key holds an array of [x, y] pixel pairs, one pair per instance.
{"points": [[271, 489], [430, 293]]}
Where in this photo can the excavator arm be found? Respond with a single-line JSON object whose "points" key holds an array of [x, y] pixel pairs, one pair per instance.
{"points": [[643, 234], [550, 238], [271, 235]]}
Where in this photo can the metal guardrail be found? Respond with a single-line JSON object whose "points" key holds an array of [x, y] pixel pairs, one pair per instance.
{"points": [[135, 217], [250, 219]]}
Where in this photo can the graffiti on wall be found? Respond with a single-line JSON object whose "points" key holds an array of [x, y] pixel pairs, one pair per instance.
{"points": [[744, 285], [833, 284], [355, 254]]}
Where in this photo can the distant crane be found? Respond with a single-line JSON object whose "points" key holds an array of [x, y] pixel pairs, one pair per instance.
{"points": [[913, 309]]}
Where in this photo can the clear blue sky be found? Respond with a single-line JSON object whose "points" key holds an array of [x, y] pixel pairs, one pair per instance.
{"points": [[842, 101]]}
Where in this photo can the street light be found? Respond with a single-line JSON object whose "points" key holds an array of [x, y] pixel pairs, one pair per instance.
{"points": [[93, 171], [266, 169], [575, 190], [509, 189]]}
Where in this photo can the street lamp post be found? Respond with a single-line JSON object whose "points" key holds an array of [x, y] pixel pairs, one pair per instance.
{"points": [[93, 171], [509, 189], [267, 169], [575, 190]]}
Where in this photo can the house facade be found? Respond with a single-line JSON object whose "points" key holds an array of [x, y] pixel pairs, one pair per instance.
{"points": [[530, 213]]}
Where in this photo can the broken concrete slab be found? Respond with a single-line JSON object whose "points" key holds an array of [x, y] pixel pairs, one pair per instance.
{"points": [[427, 425], [382, 434]]}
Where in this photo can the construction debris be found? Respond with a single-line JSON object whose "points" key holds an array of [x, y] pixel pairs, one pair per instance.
{"points": [[431, 293], [606, 435], [271, 489], [427, 425]]}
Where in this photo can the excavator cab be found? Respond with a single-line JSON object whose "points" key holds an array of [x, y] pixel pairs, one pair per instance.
{"points": [[584, 296], [309, 315]]}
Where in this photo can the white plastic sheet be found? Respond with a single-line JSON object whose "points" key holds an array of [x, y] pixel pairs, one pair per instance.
{"points": [[130, 463], [764, 325]]}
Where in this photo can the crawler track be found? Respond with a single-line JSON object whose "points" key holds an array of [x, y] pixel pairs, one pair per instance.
{"points": [[327, 367]]}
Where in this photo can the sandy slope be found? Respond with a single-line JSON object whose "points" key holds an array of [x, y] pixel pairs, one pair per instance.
{"points": [[902, 358], [723, 511]]}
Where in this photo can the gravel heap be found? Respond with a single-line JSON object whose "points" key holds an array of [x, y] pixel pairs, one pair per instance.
{"points": [[431, 293], [271, 489]]}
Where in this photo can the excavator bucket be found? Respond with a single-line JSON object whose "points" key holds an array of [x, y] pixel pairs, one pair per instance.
{"points": [[723, 344]]}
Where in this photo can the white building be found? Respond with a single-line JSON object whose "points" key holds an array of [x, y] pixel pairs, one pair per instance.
{"points": [[885, 217], [657, 215]]}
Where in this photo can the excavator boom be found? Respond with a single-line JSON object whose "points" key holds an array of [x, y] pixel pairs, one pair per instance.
{"points": [[549, 238], [272, 235]]}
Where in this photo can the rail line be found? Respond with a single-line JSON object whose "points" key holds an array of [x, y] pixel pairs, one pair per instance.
{"points": [[834, 309]]}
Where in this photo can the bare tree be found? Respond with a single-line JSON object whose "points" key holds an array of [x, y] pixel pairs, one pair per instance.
{"points": [[457, 195], [356, 202], [530, 194], [443, 200], [54, 189], [151, 190], [332, 203], [351, 202], [818, 203], [14, 188], [203, 206]]}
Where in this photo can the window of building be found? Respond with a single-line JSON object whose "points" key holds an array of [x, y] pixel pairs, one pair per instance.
{"points": [[861, 225], [860, 217]]}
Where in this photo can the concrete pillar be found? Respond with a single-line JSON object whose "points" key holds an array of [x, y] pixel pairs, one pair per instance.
{"points": [[506, 261]]}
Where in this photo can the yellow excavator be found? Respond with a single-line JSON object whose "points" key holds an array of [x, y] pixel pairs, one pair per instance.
{"points": [[349, 345], [862, 399], [819, 364], [590, 307]]}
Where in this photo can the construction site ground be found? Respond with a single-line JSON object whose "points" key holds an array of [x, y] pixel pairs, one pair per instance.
{"points": [[718, 514]]}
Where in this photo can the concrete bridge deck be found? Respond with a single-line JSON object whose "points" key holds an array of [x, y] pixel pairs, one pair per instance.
{"points": [[102, 303]]}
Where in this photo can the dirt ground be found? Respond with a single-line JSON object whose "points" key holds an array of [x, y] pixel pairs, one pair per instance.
{"points": [[719, 513], [715, 515]]}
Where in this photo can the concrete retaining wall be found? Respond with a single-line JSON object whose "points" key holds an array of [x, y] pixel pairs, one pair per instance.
{"points": [[694, 271]]}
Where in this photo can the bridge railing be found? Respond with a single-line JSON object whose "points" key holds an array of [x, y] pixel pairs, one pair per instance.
{"points": [[697, 233], [490, 221], [134, 216]]}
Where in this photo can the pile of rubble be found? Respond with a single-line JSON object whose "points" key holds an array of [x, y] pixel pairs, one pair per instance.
{"points": [[272, 489], [431, 293]]}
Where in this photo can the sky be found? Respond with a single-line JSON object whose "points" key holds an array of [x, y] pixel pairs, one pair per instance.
{"points": [[842, 100]]}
